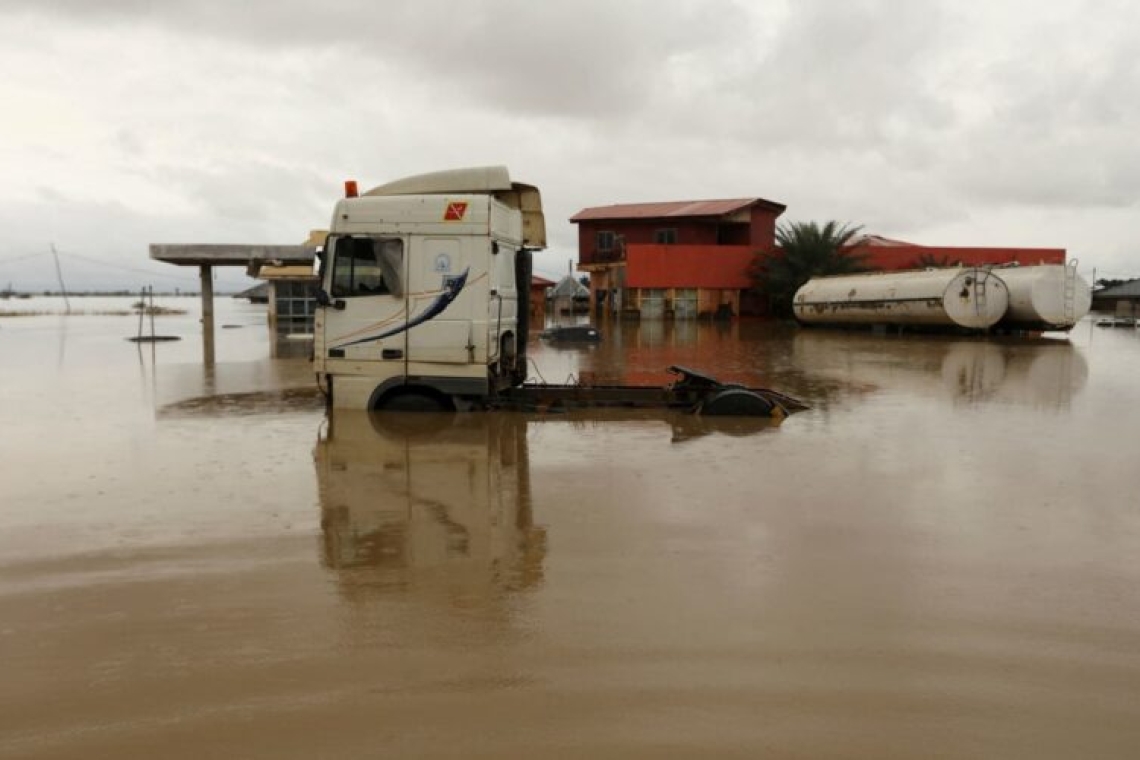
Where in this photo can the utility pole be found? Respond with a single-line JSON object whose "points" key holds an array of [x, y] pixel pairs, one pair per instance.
{"points": [[59, 276]]}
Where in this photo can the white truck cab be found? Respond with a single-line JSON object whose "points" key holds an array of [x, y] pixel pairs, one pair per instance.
{"points": [[423, 299]]}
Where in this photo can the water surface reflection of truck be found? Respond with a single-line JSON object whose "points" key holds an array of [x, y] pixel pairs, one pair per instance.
{"points": [[422, 306]]}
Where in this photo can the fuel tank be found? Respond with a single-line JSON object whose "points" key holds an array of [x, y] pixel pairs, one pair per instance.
{"points": [[965, 297], [1045, 297]]}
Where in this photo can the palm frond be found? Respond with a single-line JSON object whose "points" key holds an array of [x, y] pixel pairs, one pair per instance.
{"points": [[805, 250]]}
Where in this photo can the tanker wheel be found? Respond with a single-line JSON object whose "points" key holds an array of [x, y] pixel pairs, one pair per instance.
{"points": [[736, 402]]}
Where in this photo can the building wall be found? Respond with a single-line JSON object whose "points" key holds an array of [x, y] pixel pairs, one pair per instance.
{"points": [[1121, 306], [688, 266], [893, 258], [762, 230], [643, 232]]}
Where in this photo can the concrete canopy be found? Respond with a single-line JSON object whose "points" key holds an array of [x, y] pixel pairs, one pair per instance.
{"points": [[206, 257], [196, 254]]}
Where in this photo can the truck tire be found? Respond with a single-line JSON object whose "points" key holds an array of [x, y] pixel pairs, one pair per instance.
{"points": [[736, 402], [414, 401]]}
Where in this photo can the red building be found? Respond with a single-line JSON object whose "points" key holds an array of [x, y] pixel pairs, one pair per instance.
{"points": [[692, 258], [681, 258], [884, 254]]}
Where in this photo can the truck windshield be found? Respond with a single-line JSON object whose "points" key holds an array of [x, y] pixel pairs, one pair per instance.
{"points": [[366, 266]]}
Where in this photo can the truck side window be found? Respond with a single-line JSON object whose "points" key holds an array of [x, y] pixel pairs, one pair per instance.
{"points": [[365, 266]]}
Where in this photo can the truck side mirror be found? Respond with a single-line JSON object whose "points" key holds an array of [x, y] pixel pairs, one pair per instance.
{"points": [[323, 297]]}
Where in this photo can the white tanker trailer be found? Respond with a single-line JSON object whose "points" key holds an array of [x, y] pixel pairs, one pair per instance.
{"points": [[1045, 297], [970, 298]]}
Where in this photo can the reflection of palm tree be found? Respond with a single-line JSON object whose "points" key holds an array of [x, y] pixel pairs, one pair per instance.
{"points": [[806, 250]]}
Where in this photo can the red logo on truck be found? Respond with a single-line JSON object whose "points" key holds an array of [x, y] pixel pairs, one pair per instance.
{"points": [[455, 212]]}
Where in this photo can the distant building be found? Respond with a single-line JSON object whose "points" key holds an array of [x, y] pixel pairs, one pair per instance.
{"points": [[568, 297], [1123, 299], [257, 294], [538, 287], [676, 259]]}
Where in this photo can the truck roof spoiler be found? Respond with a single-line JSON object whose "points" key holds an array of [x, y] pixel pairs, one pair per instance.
{"points": [[490, 180]]}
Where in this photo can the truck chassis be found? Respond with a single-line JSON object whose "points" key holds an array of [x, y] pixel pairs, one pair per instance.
{"points": [[692, 392]]}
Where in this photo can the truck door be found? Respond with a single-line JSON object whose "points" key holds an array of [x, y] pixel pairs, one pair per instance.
{"points": [[366, 317], [441, 281]]}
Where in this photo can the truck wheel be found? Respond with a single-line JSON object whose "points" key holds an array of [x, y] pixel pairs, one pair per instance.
{"points": [[736, 402], [414, 401]]}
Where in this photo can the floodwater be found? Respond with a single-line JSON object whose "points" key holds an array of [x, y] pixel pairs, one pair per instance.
{"points": [[940, 559]]}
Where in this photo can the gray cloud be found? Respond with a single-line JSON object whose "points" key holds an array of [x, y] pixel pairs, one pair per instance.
{"points": [[941, 122]]}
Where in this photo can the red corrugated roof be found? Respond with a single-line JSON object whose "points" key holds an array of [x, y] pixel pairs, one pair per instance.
{"points": [[672, 209]]}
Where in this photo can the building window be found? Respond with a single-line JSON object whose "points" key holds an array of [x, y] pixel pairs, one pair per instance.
{"points": [[665, 237], [605, 240], [295, 302]]}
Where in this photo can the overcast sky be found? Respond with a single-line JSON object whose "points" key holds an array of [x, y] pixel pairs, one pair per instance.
{"points": [[127, 122]]}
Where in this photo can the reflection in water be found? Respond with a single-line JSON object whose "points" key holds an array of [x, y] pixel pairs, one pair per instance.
{"points": [[1039, 373], [753, 353], [423, 499], [444, 501], [689, 426]]}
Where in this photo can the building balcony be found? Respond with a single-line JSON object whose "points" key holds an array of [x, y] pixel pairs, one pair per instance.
{"points": [[612, 256]]}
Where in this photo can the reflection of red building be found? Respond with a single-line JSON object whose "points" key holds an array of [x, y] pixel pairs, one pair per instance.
{"points": [[683, 258], [692, 258]]}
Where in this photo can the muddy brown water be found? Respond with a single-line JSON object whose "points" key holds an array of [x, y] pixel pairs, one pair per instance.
{"points": [[940, 559]]}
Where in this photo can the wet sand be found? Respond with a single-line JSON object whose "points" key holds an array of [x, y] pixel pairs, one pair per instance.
{"points": [[939, 559]]}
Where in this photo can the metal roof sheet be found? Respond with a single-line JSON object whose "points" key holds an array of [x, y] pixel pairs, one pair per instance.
{"points": [[672, 209], [568, 287], [878, 241]]}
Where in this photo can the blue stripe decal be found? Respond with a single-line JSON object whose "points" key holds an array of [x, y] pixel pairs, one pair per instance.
{"points": [[453, 284]]}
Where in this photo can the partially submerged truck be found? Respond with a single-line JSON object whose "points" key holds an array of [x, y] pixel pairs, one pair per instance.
{"points": [[423, 306]]}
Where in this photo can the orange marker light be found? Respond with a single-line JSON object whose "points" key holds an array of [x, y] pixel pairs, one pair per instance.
{"points": [[350, 190]]}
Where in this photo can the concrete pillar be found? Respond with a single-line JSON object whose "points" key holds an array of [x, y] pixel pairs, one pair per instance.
{"points": [[206, 275]]}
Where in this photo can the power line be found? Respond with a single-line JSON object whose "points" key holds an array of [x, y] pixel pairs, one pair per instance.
{"points": [[126, 268], [102, 263], [25, 257]]}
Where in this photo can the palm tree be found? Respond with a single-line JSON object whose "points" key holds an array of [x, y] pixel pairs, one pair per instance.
{"points": [[805, 250]]}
